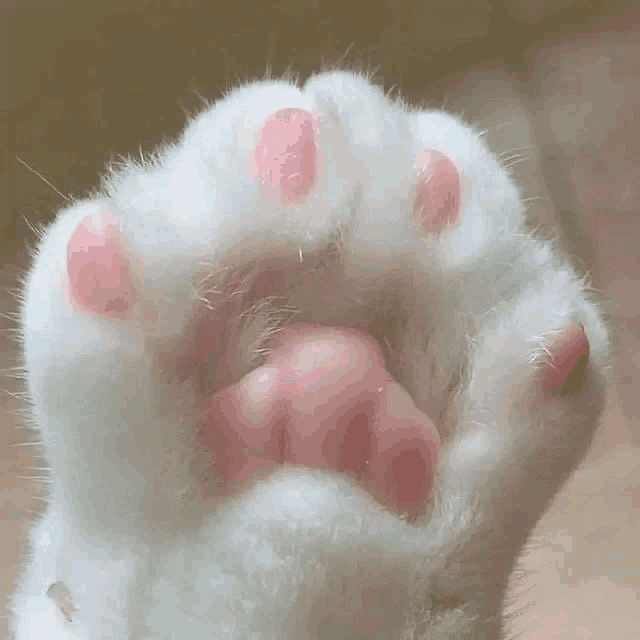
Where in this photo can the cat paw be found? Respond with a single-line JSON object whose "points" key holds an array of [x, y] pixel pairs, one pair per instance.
{"points": [[330, 205], [316, 277]]}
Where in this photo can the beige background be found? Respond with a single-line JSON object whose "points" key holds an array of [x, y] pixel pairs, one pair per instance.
{"points": [[557, 85]]}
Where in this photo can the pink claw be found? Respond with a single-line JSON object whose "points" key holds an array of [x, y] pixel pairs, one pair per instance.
{"points": [[325, 400]]}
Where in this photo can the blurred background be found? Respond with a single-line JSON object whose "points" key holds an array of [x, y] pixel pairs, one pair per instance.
{"points": [[556, 83]]}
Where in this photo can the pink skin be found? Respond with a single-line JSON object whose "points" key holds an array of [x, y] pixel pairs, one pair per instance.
{"points": [[437, 202], [286, 157], [324, 398], [100, 278]]}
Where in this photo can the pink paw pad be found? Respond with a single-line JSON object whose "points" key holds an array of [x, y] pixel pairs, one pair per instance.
{"points": [[100, 276], [570, 354], [437, 202], [286, 156], [325, 400]]}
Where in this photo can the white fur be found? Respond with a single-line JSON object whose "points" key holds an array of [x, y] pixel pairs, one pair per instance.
{"points": [[303, 553]]}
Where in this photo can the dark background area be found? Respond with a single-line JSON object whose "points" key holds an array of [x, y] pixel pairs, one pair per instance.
{"points": [[80, 81]]}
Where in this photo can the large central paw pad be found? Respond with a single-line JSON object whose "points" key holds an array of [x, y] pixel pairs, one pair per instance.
{"points": [[325, 399]]}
